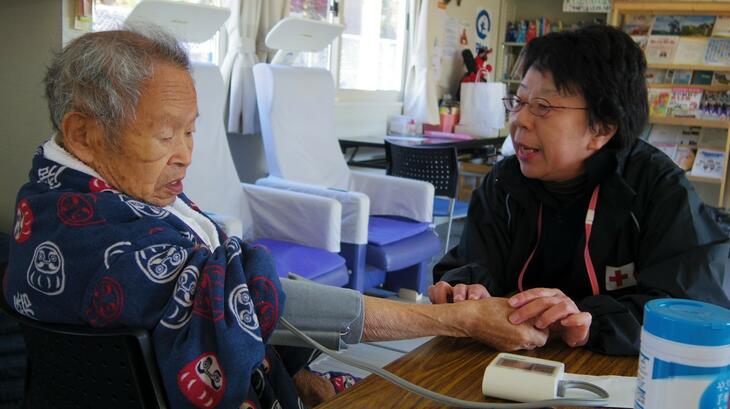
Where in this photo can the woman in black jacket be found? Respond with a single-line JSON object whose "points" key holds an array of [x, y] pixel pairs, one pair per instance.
{"points": [[585, 223]]}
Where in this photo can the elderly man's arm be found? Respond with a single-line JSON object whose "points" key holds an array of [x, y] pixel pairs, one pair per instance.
{"points": [[484, 320], [349, 317]]}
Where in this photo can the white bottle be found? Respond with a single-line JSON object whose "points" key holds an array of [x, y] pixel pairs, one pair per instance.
{"points": [[685, 356]]}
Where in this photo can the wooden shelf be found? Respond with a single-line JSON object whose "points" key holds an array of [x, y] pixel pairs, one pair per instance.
{"points": [[723, 68], [702, 179], [707, 123], [664, 7], [704, 87], [622, 8]]}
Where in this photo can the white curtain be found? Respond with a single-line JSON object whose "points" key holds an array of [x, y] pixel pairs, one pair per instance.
{"points": [[246, 30], [421, 94], [271, 13]]}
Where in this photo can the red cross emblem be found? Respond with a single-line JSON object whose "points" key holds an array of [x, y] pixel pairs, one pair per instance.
{"points": [[620, 277]]}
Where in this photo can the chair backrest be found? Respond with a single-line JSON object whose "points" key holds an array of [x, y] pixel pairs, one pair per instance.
{"points": [[82, 367], [212, 181], [436, 165], [296, 110]]}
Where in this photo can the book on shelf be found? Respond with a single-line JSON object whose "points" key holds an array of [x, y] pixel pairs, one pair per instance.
{"points": [[660, 49], [715, 105], [685, 102], [709, 163], [712, 138], [685, 156], [638, 24], [701, 77], [720, 78], [718, 51], [722, 27], [677, 142], [516, 71], [655, 75], [659, 101], [690, 50], [694, 25], [682, 77]]}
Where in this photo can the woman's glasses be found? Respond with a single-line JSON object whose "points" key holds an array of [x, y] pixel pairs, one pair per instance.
{"points": [[536, 106]]}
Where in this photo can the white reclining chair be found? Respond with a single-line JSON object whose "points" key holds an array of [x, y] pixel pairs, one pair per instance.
{"points": [[386, 238], [301, 231]]}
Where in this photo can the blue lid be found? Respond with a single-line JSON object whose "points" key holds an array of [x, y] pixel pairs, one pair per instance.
{"points": [[688, 321]]}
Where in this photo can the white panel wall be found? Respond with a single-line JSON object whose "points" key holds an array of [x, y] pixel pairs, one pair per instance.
{"points": [[30, 31]]}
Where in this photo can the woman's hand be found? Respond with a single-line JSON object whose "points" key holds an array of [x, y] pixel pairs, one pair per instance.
{"points": [[442, 292], [488, 322], [550, 308]]}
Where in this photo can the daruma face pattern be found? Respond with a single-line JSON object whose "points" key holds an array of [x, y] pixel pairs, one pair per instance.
{"points": [[45, 272]]}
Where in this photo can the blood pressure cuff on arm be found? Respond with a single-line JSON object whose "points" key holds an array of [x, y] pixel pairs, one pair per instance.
{"points": [[333, 316]]}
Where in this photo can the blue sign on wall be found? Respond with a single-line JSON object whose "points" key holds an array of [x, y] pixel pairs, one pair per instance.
{"points": [[484, 24]]}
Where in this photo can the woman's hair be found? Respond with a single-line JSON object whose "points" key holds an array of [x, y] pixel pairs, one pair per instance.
{"points": [[102, 75], [606, 67]]}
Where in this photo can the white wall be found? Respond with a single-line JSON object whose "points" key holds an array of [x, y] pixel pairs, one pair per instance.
{"points": [[452, 66], [30, 31]]}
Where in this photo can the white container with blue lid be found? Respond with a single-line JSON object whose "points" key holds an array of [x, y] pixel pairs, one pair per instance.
{"points": [[685, 356]]}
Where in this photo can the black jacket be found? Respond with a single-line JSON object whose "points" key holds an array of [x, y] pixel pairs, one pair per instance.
{"points": [[647, 214]]}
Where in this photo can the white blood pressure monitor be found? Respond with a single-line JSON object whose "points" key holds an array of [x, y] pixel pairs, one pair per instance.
{"points": [[522, 378]]}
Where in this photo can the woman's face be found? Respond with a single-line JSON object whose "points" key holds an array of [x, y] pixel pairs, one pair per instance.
{"points": [[156, 148], [552, 147]]}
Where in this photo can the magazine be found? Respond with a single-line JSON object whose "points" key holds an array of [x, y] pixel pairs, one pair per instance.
{"points": [[722, 27], [709, 163], [685, 156], [715, 105], [638, 24], [718, 51], [683, 25], [685, 102], [713, 138], [702, 77], [720, 78], [690, 50], [659, 101], [661, 48], [655, 75], [682, 77]]}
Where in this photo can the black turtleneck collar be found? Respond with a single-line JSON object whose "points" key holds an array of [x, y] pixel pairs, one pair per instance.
{"points": [[561, 194]]}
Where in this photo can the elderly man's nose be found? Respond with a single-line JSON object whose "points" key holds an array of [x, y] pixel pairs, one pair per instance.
{"points": [[183, 153]]}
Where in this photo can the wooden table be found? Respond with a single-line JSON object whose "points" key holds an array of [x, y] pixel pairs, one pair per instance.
{"points": [[455, 366]]}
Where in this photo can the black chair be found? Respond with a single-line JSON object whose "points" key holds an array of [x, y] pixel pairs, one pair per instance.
{"points": [[434, 164], [73, 366]]}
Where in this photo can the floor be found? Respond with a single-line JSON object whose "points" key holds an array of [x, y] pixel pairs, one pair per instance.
{"points": [[382, 353]]}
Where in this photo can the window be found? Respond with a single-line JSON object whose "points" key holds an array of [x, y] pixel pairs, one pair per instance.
{"points": [[373, 44], [110, 15], [371, 50]]}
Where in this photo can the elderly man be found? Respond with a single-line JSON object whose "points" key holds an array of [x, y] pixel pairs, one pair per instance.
{"points": [[104, 236]]}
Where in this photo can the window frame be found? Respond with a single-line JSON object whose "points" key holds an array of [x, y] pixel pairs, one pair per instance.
{"points": [[350, 95]]}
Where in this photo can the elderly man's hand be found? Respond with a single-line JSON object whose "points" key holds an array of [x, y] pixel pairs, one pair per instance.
{"points": [[442, 292], [488, 322], [550, 308]]}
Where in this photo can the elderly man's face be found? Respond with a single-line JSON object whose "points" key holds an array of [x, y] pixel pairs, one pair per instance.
{"points": [[156, 147]]}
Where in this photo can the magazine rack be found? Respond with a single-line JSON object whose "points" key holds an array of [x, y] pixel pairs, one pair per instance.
{"points": [[710, 183]]}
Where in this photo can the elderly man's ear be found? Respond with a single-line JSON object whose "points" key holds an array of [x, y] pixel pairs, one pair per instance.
{"points": [[83, 136]]}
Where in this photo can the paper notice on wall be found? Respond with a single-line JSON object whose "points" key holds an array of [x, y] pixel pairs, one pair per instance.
{"points": [[451, 37], [586, 6]]}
